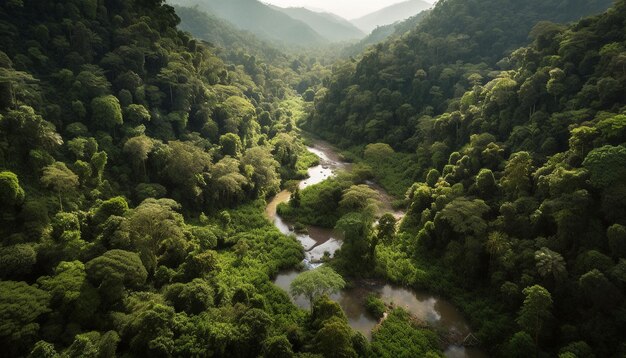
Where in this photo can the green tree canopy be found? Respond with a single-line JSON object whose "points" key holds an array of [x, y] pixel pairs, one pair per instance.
{"points": [[315, 283], [20, 306], [106, 112]]}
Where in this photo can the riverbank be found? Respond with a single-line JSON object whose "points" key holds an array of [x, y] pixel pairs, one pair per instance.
{"points": [[322, 242]]}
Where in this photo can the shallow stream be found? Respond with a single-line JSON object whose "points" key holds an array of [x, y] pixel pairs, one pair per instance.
{"points": [[434, 310]]}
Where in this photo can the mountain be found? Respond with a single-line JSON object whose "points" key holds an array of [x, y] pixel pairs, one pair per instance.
{"points": [[223, 34], [385, 32], [390, 14], [517, 158], [427, 68], [330, 26], [262, 20]]}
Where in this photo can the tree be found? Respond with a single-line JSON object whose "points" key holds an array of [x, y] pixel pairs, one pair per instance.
{"points": [[497, 244], [581, 139], [139, 147], [550, 263], [16, 261], [617, 240], [521, 345], [315, 283], [20, 306], [360, 198], [117, 206], [106, 112], [607, 165], [264, 176], [43, 349], [432, 177], [516, 180], [598, 290], [99, 161], [60, 178], [231, 144], [149, 326], [153, 225], [278, 347], [556, 85], [465, 215], [334, 339], [356, 228], [536, 311], [193, 298], [486, 183], [136, 113], [114, 271], [70, 291], [386, 227], [16, 81], [11, 193], [378, 152], [187, 167], [229, 183]]}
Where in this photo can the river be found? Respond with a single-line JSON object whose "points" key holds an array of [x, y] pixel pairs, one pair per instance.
{"points": [[434, 310]]}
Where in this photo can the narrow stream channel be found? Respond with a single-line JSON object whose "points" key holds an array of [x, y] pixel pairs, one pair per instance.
{"points": [[434, 310]]}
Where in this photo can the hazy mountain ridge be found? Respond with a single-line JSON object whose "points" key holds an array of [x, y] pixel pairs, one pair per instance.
{"points": [[262, 20], [330, 26], [390, 14], [223, 34], [382, 33]]}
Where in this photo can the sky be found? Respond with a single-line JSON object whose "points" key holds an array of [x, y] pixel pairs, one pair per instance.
{"points": [[349, 9]]}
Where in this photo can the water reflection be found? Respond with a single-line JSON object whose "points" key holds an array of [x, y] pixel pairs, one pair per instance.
{"points": [[318, 241]]}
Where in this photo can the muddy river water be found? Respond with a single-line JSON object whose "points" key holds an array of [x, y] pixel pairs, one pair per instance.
{"points": [[434, 310]]}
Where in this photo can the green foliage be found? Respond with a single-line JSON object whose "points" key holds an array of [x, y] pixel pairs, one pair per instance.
{"points": [[114, 271], [17, 261], [60, 178], [20, 306], [375, 306], [397, 336], [334, 339], [277, 346], [149, 113], [319, 204], [606, 165], [115, 206], [315, 283], [11, 193], [106, 112], [535, 311]]}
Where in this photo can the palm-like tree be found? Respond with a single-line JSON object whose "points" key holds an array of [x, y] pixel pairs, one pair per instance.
{"points": [[550, 263], [496, 245]]}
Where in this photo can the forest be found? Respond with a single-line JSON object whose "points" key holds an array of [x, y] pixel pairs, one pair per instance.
{"points": [[142, 143]]}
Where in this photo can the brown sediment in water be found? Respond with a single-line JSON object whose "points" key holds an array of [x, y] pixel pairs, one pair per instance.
{"points": [[428, 309]]}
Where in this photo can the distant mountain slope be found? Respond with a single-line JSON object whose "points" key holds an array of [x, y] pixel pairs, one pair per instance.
{"points": [[384, 32], [391, 14], [222, 33], [332, 27], [262, 20]]}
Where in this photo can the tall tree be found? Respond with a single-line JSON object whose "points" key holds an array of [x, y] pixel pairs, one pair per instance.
{"points": [[315, 283], [536, 311], [60, 178]]}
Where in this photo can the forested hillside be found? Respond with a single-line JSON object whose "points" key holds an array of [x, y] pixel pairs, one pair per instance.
{"points": [[266, 22], [331, 27], [381, 97], [133, 167], [382, 33], [391, 14], [518, 209]]}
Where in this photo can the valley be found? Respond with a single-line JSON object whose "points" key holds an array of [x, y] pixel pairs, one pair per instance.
{"points": [[211, 178]]}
